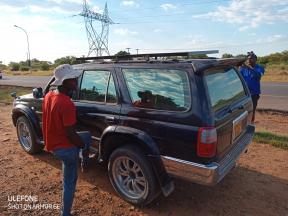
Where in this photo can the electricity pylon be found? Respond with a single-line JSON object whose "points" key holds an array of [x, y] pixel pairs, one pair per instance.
{"points": [[98, 41]]}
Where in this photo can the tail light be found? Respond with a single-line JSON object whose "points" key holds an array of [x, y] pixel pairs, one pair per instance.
{"points": [[207, 142]]}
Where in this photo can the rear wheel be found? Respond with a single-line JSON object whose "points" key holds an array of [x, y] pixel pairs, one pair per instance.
{"points": [[26, 136], [132, 176]]}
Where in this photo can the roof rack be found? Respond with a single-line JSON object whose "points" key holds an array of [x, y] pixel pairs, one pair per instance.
{"points": [[147, 56]]}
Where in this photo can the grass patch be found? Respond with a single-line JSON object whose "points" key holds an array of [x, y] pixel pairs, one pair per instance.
{"points": [[276, 73], [6, 90], [272, 139]]}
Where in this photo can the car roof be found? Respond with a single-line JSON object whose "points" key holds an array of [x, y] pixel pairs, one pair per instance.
{"points": [[197, 64]]}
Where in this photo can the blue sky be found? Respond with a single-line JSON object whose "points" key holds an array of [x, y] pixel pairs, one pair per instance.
{"points": [[232, 26]]}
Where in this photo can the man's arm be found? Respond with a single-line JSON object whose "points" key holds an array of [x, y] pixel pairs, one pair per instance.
{"points": [[258, 71], [73, 137]]}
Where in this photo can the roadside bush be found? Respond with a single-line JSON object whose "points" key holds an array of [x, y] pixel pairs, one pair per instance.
{"points": [[24, 68], [3, 67], [227, 55], [14, 66], [45, 66], [65, 60]]}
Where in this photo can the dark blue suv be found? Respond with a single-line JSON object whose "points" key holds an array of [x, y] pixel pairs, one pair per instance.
{"points": [[154, 120]]}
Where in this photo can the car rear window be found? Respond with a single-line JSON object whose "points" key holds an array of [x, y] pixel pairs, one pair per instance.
{"points": [[162, 89], [224, 87]]}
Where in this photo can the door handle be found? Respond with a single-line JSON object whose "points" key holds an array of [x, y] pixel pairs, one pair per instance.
{"points": [[241, 107], [110, 119], [236, 108]]}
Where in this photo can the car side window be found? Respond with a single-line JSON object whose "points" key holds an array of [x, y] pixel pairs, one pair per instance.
{"points": [[98, 86], [162, 89]]}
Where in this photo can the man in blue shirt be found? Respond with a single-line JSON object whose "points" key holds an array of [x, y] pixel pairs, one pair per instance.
{"points": [[252, 74]]}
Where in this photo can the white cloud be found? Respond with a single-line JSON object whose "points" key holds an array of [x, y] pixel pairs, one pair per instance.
{"points": [[97, 9], [68, 1], [273, 39], [249, 14], [157, 30], [10, 9], [130, 3], [46, 37], [38, 9], [168, 6], [252, 34], [124, 32]]}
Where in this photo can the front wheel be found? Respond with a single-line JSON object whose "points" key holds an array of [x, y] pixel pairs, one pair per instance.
{"points": [[26, 136], [132, 176]]}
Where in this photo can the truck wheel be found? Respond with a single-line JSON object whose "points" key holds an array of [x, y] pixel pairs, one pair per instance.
{"points": [[132, 176], [26, 136]]}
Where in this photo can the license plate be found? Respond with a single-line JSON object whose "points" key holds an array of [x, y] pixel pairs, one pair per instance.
{"points": [[239, 125]]}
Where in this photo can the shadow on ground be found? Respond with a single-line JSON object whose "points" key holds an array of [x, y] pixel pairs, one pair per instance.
{"points": [[242, 192]]}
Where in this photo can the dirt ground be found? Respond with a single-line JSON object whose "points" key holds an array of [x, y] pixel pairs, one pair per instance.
{"points": [[257, 186]]}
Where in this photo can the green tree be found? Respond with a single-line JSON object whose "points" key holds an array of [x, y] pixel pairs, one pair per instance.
{"points": [[65, 60], [24, 68], [241, 56], [122, 53], [14, 66], [3, 66], [44, 66], [263, 60], [227, 55]]}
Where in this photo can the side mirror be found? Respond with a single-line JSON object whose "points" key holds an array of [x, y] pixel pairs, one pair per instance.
{"points": [[37, 92], [13, 94]]}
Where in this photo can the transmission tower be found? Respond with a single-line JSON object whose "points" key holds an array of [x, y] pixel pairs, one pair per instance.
{"points": [[98, 41]]}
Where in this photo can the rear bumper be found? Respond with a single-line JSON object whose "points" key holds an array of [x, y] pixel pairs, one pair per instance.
{"points": [[209, 174]]}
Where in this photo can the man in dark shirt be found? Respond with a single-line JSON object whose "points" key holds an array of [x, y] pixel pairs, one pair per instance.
{"points": [[147, 100], [252, 74], [60, 137]]}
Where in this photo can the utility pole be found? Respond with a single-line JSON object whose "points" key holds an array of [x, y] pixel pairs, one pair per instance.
{"points": [[28, 54], [128, 50], [137, 51]]}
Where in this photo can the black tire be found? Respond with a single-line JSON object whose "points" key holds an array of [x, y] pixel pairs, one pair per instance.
{"points": [[134, 156], [27, 136]]}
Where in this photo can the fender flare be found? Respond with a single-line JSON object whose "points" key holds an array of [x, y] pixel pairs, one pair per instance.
{"points": [[146, 140], [29, 114]]}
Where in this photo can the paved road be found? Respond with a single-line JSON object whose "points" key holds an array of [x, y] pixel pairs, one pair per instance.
{"points": [[274, 95], [25, 81]]}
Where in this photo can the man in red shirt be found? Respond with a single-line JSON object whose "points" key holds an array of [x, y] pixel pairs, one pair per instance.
{"points": [[60, 137]]}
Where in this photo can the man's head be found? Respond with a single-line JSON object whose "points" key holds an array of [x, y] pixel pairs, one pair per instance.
{"points": [[145, 95], [66, 77], [252, 58], [70, 84]]}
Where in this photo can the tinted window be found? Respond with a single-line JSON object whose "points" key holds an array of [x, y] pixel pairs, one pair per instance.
{"points": [[158, 88], [94, 87], [224, 87]]}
